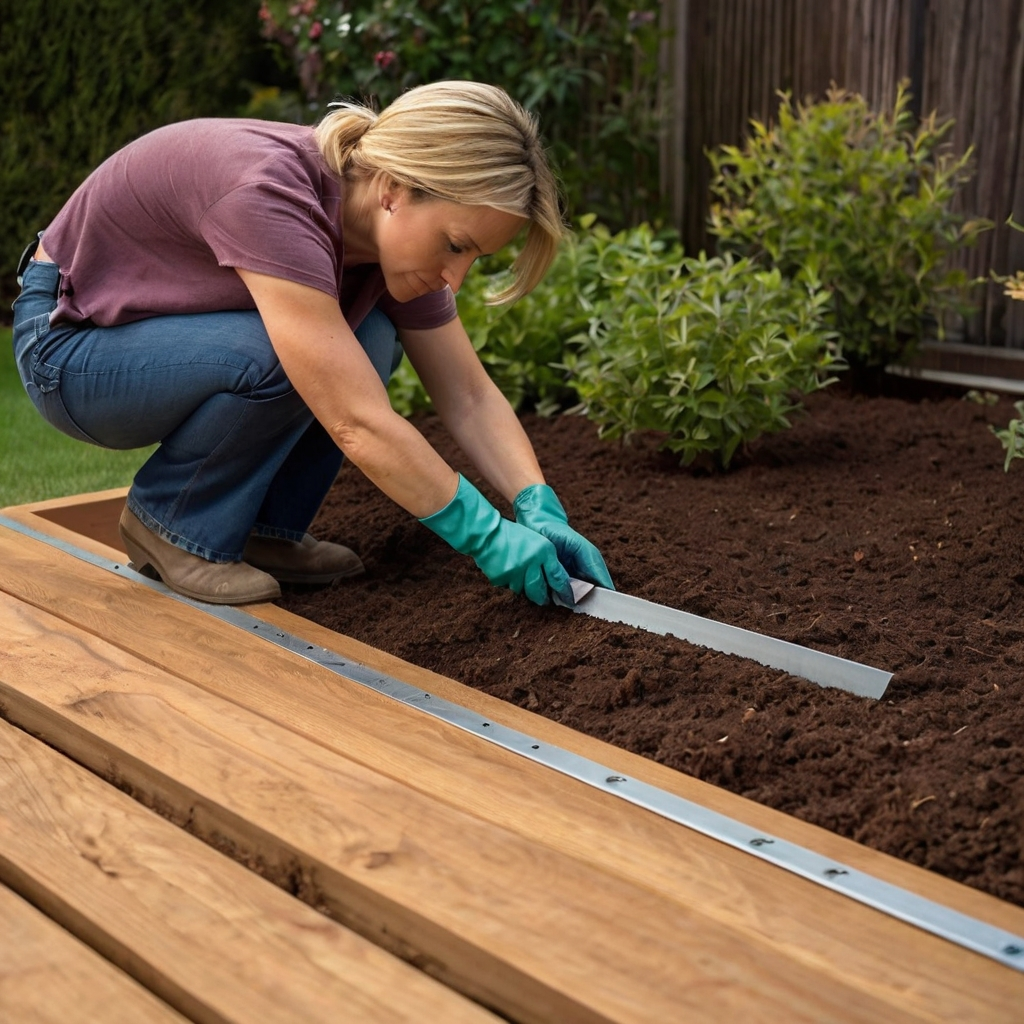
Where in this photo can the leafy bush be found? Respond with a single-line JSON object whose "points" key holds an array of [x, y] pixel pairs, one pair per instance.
{"points": [[1012, 436], [712, 353], [859, 201], [1013, 284], [588, 70]]}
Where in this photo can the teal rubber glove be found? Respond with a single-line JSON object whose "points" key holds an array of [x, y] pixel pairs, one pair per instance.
{"points": [[538, 507], [509, 555]]}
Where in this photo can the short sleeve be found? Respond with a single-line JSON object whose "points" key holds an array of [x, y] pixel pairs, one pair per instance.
{"points": [[275, 229]]}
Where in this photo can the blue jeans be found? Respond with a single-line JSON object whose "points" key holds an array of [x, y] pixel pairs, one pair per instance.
{"points": [[239, 449]]}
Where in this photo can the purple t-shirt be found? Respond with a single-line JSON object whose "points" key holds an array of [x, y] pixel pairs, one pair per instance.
{"points": [[159, 226]]}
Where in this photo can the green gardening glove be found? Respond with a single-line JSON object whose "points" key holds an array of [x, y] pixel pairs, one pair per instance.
{"points": [[538, 507], [509, 555]]}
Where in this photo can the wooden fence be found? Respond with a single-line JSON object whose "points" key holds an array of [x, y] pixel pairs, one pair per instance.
{"points": [[725, 60]]}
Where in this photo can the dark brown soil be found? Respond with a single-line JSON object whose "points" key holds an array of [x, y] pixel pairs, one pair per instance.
{"points": [[881, 529]]}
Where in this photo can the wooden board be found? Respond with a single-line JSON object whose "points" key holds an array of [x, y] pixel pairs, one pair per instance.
{"points": [[845, 947], [516, 925], [48, 977], [95, 518], [212, 939]]}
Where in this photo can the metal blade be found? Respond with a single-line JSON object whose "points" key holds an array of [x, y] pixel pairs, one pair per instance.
{"points": [[818, 667]]}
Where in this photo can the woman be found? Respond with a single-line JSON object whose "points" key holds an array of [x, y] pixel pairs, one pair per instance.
{"points": [[232, 289]]}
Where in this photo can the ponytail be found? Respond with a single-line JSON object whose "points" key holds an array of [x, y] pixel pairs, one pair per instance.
{"points": [[341, 131]]}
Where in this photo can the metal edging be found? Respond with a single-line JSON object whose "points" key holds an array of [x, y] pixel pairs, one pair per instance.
{"points": [[815, 666], [961, 929]]}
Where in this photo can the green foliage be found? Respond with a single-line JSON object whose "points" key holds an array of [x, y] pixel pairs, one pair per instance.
{"points": [[82, 79], [861, 202], [711, 353], [589, 71], [1013, 284], [1012, 437]]}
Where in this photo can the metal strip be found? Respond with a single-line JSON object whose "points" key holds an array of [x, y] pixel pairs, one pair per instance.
{"points": [[968, 932], [817, 666]]}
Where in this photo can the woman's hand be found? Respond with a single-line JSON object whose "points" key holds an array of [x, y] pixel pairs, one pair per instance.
{"points": [[509, 555], [538, 508]]}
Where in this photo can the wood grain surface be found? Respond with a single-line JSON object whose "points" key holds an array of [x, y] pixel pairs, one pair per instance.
{"points": [[210, 937], [763, 920], [47, 976], [516, 925]]}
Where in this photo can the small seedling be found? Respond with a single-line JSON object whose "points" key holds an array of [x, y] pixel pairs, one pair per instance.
{"points": [[1012, 437]]}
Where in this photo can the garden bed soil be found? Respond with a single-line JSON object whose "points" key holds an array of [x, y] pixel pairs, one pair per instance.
{"points": [[881, 529]]}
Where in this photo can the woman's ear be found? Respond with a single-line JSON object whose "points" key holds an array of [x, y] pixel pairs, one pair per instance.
{"points": [[391, 194]]}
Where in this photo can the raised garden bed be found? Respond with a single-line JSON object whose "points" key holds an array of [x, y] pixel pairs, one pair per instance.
{"points": [[880, 529]]}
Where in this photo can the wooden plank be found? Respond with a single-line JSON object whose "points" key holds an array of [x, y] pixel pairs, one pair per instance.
{"points": [[852, 943], [535, 933], [48, 977], [101, 521], [94, 516], [209, 937], [111, 607]]}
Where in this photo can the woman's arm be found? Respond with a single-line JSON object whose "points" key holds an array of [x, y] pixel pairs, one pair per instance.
{"points": [[327, 366], [472, 408], [332, 374], [487, 429]]}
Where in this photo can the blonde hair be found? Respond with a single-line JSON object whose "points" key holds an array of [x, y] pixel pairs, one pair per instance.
{"points": [[463, 142]]}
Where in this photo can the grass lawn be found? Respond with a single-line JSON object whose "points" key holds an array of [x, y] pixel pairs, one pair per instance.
{"points": [[37, 461]]}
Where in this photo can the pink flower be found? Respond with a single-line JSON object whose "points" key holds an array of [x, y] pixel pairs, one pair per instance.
{"points": [[315, 30], [264, 12], [384, 59]]}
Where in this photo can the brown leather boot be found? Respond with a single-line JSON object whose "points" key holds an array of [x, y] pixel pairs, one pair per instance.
{"points": [[310, 561], [188, 574]]}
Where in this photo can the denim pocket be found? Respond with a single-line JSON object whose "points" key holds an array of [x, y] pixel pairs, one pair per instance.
{"points": [[33, 351]]}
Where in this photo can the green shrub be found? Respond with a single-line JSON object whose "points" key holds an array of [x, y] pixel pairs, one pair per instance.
{"points": [[1012, 436], [859, 201], [710, 353], [589, 71], [1013, 284]]}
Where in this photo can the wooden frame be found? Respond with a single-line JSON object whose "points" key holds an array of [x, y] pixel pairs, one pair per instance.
{"points": [[510, 887]]}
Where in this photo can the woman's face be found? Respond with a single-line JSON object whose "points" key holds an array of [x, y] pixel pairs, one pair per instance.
{"points": [[425, 244]]}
